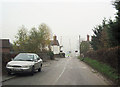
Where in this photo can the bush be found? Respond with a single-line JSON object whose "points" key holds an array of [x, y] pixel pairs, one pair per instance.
{"points": [[51, 54], [6, 57], [62, 55], [109, 56], [81, 58]]}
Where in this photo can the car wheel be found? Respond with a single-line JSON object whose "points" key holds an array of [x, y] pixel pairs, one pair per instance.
{"points": [[39, 70], [32, 72]]}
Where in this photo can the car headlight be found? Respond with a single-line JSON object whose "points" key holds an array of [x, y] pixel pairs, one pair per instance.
{"points": [[25, 66]]}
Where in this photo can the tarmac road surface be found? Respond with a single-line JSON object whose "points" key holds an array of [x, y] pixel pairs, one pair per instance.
{"points": [[62, 71]]}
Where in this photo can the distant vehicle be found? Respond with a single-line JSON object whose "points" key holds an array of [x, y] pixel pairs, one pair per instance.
{"points": [[24, 63]]}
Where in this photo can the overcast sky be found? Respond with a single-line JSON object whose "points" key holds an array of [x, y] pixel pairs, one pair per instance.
{"points": [[66, 18]]}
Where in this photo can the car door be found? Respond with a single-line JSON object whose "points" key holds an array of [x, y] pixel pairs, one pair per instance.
{"points": [[36, 66], [39, 61]]}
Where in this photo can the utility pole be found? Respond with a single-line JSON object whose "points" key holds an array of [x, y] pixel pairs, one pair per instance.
{"points": [[61, 43], [70, 46], [79, 45]]}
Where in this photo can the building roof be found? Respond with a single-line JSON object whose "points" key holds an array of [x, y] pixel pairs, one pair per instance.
{"points": [[54, 42], [4, 43]]}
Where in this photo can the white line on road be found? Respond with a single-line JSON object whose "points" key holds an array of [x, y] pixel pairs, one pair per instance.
{"points": [[61, 73]]}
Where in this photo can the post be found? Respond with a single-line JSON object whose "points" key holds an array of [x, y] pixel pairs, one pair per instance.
{"points": [[70, 46], [79, 44]]}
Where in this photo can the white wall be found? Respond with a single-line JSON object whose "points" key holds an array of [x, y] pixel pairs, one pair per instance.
{"points": [[55, 49]]}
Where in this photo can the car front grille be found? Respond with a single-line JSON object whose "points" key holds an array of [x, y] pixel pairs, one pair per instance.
{"points": [[16, 66]]}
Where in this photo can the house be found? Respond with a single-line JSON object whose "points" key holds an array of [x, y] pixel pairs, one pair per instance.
{"points": [[85, 46], [54, 45], [4, 46]]}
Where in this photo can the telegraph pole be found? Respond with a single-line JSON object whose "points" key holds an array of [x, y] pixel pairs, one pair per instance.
{"points": [[70, 47], [61, 43], [70, 44], [79, 44]]}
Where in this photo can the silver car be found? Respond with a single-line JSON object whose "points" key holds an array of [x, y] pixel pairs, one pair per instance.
{"points": [[24, 62]]}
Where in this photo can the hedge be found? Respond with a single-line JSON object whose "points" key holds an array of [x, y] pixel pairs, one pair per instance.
{"points": [[109, 56]]}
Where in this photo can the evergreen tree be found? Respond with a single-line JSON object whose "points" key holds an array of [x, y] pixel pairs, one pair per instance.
{"points": [[114, 27]]}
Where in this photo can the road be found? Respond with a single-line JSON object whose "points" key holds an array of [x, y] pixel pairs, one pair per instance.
{"points": [[64, 71]]}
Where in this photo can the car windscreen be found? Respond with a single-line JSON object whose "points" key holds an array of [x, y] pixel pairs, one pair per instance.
{"points": [[24, 57]]}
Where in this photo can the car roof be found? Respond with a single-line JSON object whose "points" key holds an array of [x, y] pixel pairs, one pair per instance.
{"points": [[28, 53]]}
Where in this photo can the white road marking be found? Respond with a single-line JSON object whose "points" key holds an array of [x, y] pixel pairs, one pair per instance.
{"points": [[61, 73]]}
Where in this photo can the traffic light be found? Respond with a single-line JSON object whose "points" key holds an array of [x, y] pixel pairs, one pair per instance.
{"points": [[76, 51], [61, 51]]}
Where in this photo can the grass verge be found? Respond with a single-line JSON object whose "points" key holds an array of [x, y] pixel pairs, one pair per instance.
{"points": [[105, 69]]}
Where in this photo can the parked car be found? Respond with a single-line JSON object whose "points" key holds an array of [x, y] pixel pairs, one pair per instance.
{"points": [[24, 63]]}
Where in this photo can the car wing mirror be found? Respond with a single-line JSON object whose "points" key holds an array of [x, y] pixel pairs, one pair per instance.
{"points": [[38, 58]]}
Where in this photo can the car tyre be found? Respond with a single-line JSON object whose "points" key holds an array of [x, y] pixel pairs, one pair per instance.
{"points": [[32, 72], [39, 70]]}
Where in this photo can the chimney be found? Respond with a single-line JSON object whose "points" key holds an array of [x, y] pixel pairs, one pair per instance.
{"points": [[87, 37], [55, 38]]}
